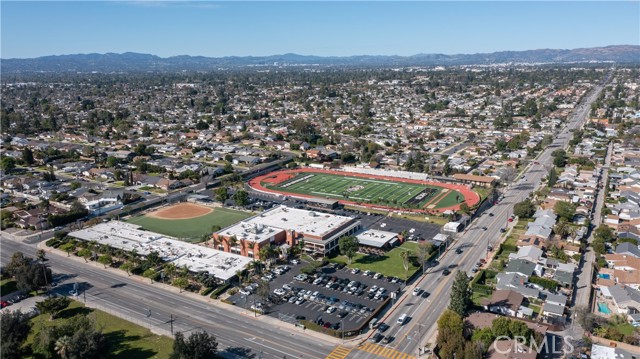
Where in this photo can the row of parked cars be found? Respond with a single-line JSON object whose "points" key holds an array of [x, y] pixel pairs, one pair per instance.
{"points": [[344, 285], [375, 275]]}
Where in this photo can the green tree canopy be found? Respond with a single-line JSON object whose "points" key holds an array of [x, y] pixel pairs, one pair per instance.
{"points": [[460, 294], [565, 210], [53, 305], [349, 246], [199, 345], [524, 209]]}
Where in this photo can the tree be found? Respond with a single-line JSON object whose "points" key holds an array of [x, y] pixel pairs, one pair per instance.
{"points": [[524, 209], [181, 283], [424, 250], [561, 228], [27, 156], [150, 273], [14, 329], [41, 255], [105, 260], [241, 198], [604, 233], [85, 253], [53, 305], [405, 263], [464, 208], [7, 163], [460, 294], [127, 267], [199, 345], [552, 178], [450, 339], [349, 246], [63, 345], [263, 290], [68, 247], [221, 194], [565, 210]]}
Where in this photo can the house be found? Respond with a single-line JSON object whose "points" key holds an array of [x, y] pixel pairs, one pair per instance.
{"points": [[516, 282], [482, 181], [564, 278], [628, 249], [626, 299], [599, 351], [552, 312], [505, 302], [530, 253], [510, 349], [520, 266]]}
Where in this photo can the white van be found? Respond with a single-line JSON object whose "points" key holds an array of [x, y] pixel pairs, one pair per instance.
{"points": [[403, 318], [373, 323]]}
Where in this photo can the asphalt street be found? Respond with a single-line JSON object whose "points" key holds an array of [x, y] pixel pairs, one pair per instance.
{"points": [[424, 313], [240, 335]]}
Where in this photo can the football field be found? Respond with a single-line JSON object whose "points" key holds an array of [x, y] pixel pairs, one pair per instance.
{"points": [[378, 191]]}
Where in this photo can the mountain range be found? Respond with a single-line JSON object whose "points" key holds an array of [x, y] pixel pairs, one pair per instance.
{"points": [[134, 62]]}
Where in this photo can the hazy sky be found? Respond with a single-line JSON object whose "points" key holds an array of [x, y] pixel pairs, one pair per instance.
{"points": [[31, 29]]}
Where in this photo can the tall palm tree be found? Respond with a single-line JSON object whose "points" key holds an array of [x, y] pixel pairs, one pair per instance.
{"points": [[62, 346], [405, 263], [170, 270], [232, 242], [561, 228]]}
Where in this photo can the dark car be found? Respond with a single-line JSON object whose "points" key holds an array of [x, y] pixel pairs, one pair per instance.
{"points": [[490, 214], [446, 271], [458, 250], [342, 314], [300, 317], [484, 228], [336, 326], [387, 339], [327, 325], [376, 338], [382, 328], [502, 230]]}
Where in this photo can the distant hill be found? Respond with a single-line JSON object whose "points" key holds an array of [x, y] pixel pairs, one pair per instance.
{"points": [[129, 61]]}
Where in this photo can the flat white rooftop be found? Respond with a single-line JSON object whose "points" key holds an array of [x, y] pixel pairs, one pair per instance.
{"points": [[197, 258], [251, 231], [375, 238], [300, 220]]}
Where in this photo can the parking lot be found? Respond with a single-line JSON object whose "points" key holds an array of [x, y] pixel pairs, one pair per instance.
{"points": [[329, 302]]}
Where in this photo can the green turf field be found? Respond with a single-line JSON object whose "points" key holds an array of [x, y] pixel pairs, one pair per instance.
{"points": [[383, 192], [191, 229]]}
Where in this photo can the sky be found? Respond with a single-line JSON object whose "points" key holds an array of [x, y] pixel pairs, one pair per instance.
{"points": [[327, 28]]}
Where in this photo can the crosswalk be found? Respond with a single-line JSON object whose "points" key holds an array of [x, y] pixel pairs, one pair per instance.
{"points": [[339, 352], [383, 351]]}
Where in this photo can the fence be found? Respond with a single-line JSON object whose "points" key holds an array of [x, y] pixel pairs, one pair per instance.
{"points": [[143, 323]]}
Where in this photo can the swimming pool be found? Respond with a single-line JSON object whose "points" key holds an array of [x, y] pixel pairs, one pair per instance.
{"points": [[603, 308], [603, 276]]}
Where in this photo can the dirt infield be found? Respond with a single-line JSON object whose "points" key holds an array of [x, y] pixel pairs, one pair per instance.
{"points": [[181, 211], [470, 197]]}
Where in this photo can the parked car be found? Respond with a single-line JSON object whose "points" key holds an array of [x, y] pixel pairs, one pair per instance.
{"points": [[355, 271], [295, 261], [377, 276]]}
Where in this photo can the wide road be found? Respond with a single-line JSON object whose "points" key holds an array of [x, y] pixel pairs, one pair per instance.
{"points": [[239, 335], [474, 241]]}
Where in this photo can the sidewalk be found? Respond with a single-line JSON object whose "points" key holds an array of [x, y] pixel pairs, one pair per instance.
{"points": [[276, 323]]}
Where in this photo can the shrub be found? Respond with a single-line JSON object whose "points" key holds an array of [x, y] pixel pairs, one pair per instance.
{"points": [[208, 290], [216, 293]]}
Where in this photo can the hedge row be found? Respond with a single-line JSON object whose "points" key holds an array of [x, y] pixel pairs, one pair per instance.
{"points": [[216, 293]]}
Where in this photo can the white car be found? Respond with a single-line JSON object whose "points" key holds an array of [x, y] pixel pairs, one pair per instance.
{"points": [[373, 289], [295, 261], [279, 291], [287, 287], [245, 291], [355, 271], [377, 276], [367, 272], [417, 291], [331, 309], [300, 300]]}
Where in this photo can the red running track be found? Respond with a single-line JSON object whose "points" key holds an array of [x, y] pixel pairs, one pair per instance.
{"points": [[471, 198]]}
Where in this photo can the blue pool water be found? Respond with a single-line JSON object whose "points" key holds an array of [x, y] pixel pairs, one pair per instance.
{"points": [[602, 307], [604, 276]]}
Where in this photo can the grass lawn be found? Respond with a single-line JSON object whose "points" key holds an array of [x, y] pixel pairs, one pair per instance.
{"points": [[8, 286], [389, 264], [379, 191], [127, 340], [478, 298], [625, 328], [192, 229]]}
